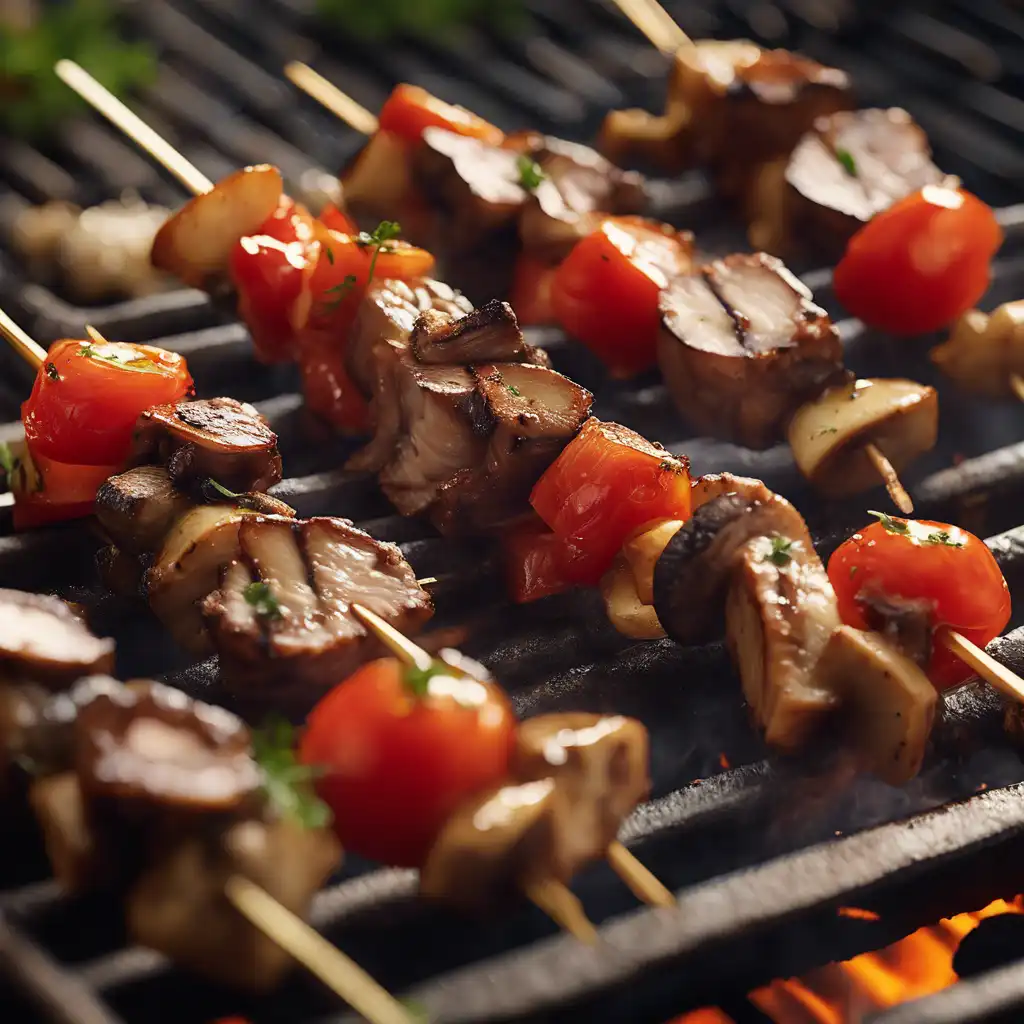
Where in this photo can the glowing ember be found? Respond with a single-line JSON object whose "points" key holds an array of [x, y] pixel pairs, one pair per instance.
{"points": [[847, 993]]}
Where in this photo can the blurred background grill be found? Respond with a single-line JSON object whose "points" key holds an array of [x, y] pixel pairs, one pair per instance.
{"points": [[761, 895]]}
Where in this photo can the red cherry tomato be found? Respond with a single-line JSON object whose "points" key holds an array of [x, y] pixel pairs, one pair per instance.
{"points": [[337, 220], [87, 397], [605, 293], [941, 564], [535, 561], [400, 751], [918, 265], [46, 491], [267, 269], [410, 109], [326, 385], [531, 292], [607, 481]]}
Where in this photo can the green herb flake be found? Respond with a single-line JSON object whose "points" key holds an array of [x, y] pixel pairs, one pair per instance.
{"points": [[287, 783], [262, 599], [51, 372], [781, 553], [530, 174], [944, 538], [90, 351], [845, 157], [7, 460], [214, 491], [330, 255], [898, 526], [513, 390], [854, 569], [417, 680]]}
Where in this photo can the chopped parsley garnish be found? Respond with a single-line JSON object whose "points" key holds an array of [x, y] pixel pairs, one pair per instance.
{"points": [[383, 233], [338, 292], [513, 390], [211, 487], [530, 174], [845, 157], [417, 680], [7, 460], [287, 783], [899, 526], [138, 362], [330, 255], [262, 599], [945, 538], [51, 372], [781, 553]]}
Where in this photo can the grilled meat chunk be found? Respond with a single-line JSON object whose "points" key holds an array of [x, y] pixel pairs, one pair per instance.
{"points": [[489, 334], [780, 615], [137, 508], [216, 438], [848, 167], [282, 621], [179, 907], [742, 346], [694, 572], [43, 641]]}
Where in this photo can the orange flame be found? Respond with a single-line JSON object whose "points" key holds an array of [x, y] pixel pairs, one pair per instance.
{"points": [[846, 993]]}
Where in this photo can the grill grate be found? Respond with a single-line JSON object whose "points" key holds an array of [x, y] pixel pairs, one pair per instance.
{"points": [[764, 852]]}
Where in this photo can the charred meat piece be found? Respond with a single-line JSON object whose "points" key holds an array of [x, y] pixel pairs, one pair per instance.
{"points": [[216, 438], [694, 572], [43, 641], [780, 614], [600, 764], [137, 508], [848, 167], [489, 334], [282, 620], [529, 413], [742, 346], [495, 844], [828, 435], [179, 907], [151, 746]]}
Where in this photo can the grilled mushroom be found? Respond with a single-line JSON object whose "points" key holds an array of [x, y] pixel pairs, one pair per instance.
{"points": [[216, 438], [196, 242], [780, 614], [137, 508], [888, 702], [73, 846], [489, 334], [694, 571], [600, 762], [627, 611], [495, 843], [985, 351], [282, 621], [742, 346], [44, 641], [179, 907], [848, 167], [899, 417], [151, 746]]}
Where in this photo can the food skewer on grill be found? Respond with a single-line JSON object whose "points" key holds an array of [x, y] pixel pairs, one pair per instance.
{"points": [[161, 800]]}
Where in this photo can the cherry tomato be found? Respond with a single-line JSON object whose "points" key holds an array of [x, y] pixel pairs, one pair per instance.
{"points": [[337, 220], [267, 269], [409, 109], [326, 385], [535, 561], [531, 292], [605, 293], [87, 397], [918, 265], [607, 481], [400, 748], [46, 491], [941, 564]]}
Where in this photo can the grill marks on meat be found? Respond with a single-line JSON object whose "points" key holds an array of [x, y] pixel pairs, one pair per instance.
{"points": [[137, 508], [216, 438], [742, 346], [282, 621], [490, 333]]}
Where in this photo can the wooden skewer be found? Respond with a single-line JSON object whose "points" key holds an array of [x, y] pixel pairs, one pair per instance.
{"points": [[1005, 681], [1017, 384], [896, 490], [106, 103], [550, 895], [29, 350], [656, 23], [327, 93]]}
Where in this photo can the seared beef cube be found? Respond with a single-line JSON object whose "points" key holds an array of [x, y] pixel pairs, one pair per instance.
{"points": [[742, 346], [489, 334], [137, 508]]}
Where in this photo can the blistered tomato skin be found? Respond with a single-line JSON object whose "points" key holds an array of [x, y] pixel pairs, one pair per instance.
{"points": [[87, 397], [948, 569], [917, 266], [410, 109]]}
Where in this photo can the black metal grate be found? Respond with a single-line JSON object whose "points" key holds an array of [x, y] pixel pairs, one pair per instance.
{"points": [[762, 853]]}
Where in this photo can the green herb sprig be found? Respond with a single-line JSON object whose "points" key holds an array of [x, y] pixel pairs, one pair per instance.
{"points": [[287, 783], [530, 173], [845, 157], [263, 601], [781, 553], [898, 526]]}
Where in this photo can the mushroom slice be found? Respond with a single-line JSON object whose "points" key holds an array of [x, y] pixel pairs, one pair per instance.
{"points": [[72, 845], [742, 346], [216, 438], [489, 334], [642, 549], [899, 417], [201, 544], [496, 842], [196, 243], [44, 641], [888, 702], [282, 619], [984, 352], [695, 568], [137, 508], [153, 746], [626, 610], [179, 908], [780, 613], [600, 762]]}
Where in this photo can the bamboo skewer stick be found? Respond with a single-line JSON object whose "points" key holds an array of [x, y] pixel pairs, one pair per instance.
{"points": [[550, 895], [896, 490], [656, 23], [330, 96], [996, 674], [29, 350]]}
